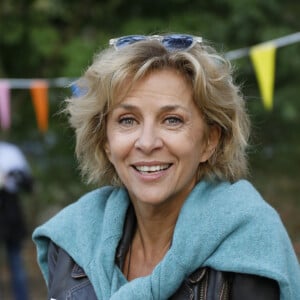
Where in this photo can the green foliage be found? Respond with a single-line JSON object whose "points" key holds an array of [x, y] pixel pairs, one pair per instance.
{"points": [[44, 40], [76, 64]]}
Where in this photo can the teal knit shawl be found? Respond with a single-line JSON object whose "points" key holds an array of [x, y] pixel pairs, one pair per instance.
{"points": [[225, 226]]}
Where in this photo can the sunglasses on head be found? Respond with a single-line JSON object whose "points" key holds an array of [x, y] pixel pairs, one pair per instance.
{"points": [[172, 42]]}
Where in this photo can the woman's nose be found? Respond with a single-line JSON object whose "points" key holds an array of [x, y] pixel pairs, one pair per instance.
{"points": [[148, 138]]}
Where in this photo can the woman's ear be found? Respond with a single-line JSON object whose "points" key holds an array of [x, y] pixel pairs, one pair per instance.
{"points": [[107, 150], [212, 142]]}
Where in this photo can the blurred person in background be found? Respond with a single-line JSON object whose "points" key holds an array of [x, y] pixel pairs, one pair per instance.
{"points": [[15, 178], [163, 128]]}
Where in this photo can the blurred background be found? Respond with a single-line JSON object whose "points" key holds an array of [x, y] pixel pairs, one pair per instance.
{"points": [[51, 39]]}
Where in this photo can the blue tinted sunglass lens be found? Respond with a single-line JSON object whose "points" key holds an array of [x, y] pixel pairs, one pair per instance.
{"points": [[177, 41], [171, 42], [128, 40]]}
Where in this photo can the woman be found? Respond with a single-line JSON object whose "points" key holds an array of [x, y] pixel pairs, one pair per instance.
{"points": [[161, 125]]}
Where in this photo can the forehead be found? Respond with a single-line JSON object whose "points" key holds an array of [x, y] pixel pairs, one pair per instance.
{"points": [[167, 82]]}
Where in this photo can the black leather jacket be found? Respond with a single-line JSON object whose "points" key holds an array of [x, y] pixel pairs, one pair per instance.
{"points": [[68, 281]]}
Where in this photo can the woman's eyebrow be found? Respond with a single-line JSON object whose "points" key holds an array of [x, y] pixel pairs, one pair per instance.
{"points": [[126, 106], [172, 108], [163, 108]]}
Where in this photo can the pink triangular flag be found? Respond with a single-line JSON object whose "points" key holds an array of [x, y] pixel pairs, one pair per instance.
{"points": [[4, 104]]}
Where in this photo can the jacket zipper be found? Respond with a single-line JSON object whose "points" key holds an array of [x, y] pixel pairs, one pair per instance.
{"points": [[225, 291], [203, 289]]}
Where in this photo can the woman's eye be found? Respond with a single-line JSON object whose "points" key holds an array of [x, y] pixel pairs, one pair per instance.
{"points": [[173, 121], [126, 121]]}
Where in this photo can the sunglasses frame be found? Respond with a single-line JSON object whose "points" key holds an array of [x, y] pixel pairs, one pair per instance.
{"points": [[163, 39]]}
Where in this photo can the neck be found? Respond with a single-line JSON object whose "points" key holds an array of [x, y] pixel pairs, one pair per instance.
{"points": [[151, 241], [146, 251], [155, 227]]}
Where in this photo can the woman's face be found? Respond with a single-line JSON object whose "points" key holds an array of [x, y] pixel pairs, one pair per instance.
{"points": [[155, 139]]}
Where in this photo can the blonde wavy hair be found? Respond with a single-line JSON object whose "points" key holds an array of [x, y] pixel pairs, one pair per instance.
{"points": [[217, 96]]}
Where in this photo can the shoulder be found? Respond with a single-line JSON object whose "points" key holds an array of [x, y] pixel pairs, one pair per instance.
{"points": [[95, 200], [240, 195], [76, 224], [247, 199], [236, 190], [92, 202], [239, 205], [83, 215]]}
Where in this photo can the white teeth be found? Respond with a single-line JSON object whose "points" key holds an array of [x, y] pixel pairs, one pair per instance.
{"points": [[152, 168]]}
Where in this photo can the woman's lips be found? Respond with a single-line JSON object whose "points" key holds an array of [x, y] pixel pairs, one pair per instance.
{"points": [[151, 168]]}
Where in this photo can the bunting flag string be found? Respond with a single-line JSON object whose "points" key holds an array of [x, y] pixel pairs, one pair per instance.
{"points": [[261, 55], [280, 42]]}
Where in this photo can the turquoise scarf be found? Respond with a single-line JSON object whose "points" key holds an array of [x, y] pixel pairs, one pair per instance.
{"points": [[224, 226]]}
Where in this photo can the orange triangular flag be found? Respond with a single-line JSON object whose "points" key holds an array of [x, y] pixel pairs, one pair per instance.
{"points": [[263, 58], [39, 94]]}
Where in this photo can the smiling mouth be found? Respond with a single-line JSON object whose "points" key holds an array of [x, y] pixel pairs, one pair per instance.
{"points": [[152, 169]]}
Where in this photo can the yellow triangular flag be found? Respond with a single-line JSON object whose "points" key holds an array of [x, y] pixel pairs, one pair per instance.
{"points": [[263, 59]]}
